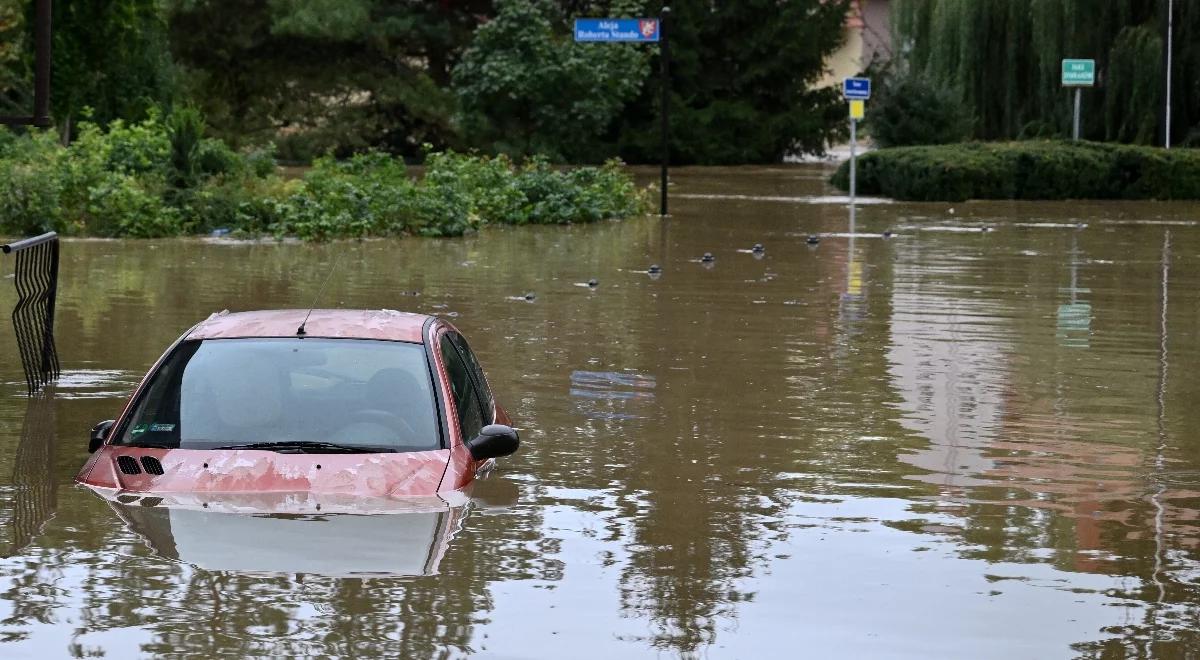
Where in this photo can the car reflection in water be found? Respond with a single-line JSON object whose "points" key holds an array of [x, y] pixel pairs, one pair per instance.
{"points": [[283, 533]]}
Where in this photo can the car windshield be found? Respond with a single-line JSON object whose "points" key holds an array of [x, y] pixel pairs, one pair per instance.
{"points": [[327, 394]]}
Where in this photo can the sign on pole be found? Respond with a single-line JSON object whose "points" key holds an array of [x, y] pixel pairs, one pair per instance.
{"points": [[857, 109], [1079, 73], [640, 30], [617, 29], [856, 91], [856, 88]]}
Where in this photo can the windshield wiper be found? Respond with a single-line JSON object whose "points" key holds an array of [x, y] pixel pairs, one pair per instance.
{"points": [[305, 446]]}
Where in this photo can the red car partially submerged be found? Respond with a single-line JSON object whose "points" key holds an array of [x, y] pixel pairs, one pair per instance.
{"points": [[369, 403]]}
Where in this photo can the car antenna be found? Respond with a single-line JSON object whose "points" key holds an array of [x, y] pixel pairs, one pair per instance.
{"points": [[328, 276]]}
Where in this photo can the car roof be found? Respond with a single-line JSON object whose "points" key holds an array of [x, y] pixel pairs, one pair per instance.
{"points": [[386, 324]]}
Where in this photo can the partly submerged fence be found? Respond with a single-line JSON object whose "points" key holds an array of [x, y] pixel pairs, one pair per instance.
{"points": [[36, 279]]}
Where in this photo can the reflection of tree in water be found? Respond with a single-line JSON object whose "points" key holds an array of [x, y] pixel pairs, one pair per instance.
{"points": [[1061, 475], [707, 504]]}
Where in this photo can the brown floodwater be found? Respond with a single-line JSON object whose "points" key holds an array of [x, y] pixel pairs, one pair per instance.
{"points": [[950, 442]]}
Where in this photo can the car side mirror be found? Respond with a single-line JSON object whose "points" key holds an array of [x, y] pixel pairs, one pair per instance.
{"points": [[99, 433], [493, 441]]}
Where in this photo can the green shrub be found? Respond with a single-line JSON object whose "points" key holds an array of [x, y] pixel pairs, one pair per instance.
{"points": [[252, 206], [139, 148], [120, 206], [910, 110], [1026, 170], [29, 199], [162, 178], [8, 139], [367, 195]]}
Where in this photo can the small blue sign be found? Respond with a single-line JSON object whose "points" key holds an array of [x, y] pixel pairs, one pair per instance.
{"points": [[856, 88], [616, 29]]}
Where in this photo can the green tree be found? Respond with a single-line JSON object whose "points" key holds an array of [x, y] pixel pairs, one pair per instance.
{"points": [[908, 110], [320, 74], [526, 87], [1003, 59], [742, 83], [16, 89], [110, 56]]}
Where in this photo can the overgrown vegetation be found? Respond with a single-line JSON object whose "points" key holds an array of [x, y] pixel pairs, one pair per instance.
{"points": [[911, 110], [497, 76], [526, 87], [1027, 170], [1002, 63], [163, 177]]}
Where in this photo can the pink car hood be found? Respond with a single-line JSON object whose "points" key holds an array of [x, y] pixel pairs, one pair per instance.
{"points": [[248, 470]]}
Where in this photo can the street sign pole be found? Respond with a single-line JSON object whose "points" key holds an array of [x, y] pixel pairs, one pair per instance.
{"points": [[1167, 106], [1075, 125], [856, 91], [666, 107], [1078, 74], [639, 30], [853, 159]]}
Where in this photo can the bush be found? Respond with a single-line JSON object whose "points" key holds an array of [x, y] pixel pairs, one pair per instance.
{"points": [[29, 200], [120, 206], [1027, 170], [372, 195], [163, 178], [911, 110]]}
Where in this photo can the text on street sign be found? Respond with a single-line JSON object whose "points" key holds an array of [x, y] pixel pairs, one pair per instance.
{"points": [[617, 29], [1078, 73]]}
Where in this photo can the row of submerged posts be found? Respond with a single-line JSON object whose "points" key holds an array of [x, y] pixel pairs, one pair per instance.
{"points": [[35, 275]]}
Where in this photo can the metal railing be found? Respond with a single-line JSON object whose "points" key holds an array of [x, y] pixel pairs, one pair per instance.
{"points": [[36, 279]]}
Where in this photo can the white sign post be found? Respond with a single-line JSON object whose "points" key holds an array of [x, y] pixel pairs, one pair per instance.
{"points": [[1078, 74], [856, 91]]}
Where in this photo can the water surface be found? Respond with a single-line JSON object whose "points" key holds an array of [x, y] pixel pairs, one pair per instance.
{"points": [[973, 438]]}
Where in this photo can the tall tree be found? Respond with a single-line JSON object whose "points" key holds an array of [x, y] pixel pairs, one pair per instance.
{"points": [[321, 74], [742, 82], [108, 57], [16, 88], [525, 86], [1003, 61]]}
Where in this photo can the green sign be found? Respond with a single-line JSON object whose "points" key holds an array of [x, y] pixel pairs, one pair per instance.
{"points": [[1078, 73]]}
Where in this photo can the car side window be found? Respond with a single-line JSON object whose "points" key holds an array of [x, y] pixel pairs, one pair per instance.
{"points": [[466, 399], [476, 372]]}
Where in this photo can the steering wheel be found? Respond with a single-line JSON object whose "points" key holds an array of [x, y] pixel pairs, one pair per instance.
{"points": [[385, 419]]}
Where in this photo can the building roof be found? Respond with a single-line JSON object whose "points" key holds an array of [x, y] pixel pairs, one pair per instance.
{"points": [[348, 323]]}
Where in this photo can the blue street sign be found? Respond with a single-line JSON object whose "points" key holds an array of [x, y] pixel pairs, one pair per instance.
{"points": [[856, 88], [616, 29]]}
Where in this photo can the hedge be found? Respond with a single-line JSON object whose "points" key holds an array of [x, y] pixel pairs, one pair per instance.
{"points": [[1026, 170]]}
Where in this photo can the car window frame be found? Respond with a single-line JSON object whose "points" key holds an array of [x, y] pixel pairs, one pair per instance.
{"points": [[483, 389], [443, 339]]}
